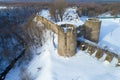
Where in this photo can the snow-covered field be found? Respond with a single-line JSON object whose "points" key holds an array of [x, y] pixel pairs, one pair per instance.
{"points": [[48, 65], [109, 34]]}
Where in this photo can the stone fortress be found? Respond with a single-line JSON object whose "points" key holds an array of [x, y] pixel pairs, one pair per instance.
{"points": [[68, 43], [66, 36]]}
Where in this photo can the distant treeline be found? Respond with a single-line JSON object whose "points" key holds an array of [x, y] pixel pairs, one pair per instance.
{"points": [[95, 9], [88, 9], [20, 4]]}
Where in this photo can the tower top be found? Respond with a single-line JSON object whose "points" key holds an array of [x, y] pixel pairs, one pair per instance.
{"points": [[92, 29], [66, 27]]}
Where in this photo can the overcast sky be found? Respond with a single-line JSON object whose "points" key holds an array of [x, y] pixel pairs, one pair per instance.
{"points": [[52, 0]]}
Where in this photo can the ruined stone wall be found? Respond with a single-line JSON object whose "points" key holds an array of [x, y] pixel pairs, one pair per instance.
{"points": [[66, 40], [92, 29], [99, 53], [48, 24]]}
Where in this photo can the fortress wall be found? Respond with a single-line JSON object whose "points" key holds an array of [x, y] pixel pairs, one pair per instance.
{"points": [[91, 49], [99, 52], [109, 56], [92, 29], [66, 40], [49, 25]]}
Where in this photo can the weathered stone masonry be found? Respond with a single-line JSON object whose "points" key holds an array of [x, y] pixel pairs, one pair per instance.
{"points": [[49, 25], [66, 40], [92, 29]]}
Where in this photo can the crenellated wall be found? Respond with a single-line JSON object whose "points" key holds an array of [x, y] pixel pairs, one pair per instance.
{"points": [[98, 52]]}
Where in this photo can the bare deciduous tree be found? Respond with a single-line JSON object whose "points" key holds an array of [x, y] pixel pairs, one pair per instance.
{"points": [[57, 9]]}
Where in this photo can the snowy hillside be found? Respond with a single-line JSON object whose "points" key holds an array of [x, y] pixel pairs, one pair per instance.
{"points": [[48, 65]]}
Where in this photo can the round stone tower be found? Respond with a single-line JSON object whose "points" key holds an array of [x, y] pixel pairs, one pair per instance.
{"points": [[92, 29], [67, 40]]}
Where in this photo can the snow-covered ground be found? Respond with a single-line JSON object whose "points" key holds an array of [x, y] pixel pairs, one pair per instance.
{"points": [[109, 34], [3, 7], [48, 65]]}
